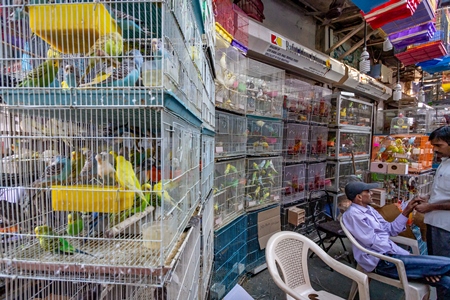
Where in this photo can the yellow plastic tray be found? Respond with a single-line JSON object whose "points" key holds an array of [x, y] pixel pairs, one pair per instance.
{"points": [[91, 199], [71, 28]]}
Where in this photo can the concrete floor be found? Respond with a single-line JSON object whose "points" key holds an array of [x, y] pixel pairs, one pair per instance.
{"points": [[261, 285]]}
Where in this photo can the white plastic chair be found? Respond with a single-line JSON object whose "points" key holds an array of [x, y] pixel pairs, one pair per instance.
{"points": [[413, 290], [287, 251]]}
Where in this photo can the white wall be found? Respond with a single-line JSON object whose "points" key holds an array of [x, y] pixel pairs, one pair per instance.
{"points": [[289, 21]]}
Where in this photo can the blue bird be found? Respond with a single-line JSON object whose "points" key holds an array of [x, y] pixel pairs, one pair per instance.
{"points": [[58, 171]]}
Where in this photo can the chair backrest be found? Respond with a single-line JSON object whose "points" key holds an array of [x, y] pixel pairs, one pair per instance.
{"points": [[287, 253], [403, 280]]}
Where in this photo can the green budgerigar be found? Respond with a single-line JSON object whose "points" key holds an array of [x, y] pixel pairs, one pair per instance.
{"points": [[108, 46], [44, 74], [50, 242], [75, 224]]}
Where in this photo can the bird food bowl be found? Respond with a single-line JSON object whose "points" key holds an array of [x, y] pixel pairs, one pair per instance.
{"points": [[91, 199], [71, 28]]}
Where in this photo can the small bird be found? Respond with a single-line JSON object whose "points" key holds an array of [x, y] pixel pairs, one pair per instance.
{"points": [[75, 224], [164, 195], [223, 62], [105, 168], [89, 169], [127, 178], [125, 75], [44, 74], [71, 77], [107, 47], [77, 161], [50, 242], [58, 171]]}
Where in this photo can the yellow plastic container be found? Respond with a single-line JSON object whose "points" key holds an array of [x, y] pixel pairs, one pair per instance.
{"points": [[91, 199], [71, 28]]}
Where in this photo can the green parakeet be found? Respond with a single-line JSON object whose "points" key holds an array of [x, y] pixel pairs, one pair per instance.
{"points": [[44, 74], [49, 242], [75, 224], [108, 46]]}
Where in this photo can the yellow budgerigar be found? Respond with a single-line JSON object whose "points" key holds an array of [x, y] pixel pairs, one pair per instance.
{"points": [[158, 189], [127, 178]]}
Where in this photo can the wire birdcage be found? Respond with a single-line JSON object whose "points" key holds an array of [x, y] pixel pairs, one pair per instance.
{"points": [[103, 102]]}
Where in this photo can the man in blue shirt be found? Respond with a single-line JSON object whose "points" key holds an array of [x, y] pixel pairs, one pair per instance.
{"points": [[372, 231]]}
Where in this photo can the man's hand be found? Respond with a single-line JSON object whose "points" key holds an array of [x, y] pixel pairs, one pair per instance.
{"points": [[411, 206], [424, 207]]}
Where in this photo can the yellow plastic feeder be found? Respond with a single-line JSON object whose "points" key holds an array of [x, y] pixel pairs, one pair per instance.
{"points": [[71, 28], [91, 199]]}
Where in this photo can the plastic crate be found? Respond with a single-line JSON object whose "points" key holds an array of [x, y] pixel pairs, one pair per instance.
{"points": [[342, 143], [264, 90], [263, 181], [294, 177], [229, 191], [425, 12], [295, 142], [230, 252], [318, 143], [264, 137], [207, 165], [231, 135], [232, 20], [253, 8]]}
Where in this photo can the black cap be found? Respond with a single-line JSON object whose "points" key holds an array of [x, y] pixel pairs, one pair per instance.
{"points": [[352, 189]]}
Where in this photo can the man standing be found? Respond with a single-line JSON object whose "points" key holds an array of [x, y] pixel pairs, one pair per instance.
{"points": [[437, 208]]}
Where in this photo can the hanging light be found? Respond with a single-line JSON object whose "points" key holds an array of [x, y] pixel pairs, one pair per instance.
{"points": [[364, 62], [397, 95], [387, 45]]}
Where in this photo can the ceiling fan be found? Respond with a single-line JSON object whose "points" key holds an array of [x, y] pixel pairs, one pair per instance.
{"points": [[335, 10]]}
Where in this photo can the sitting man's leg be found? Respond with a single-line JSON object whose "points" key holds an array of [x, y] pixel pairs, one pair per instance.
{"points": [[418, 268]]}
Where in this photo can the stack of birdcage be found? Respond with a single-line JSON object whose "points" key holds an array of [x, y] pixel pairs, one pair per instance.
{"points": [[306, 116], [101, 113]]}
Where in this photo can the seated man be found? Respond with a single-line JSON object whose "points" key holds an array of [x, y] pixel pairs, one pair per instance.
{"points": [[373, 232]]}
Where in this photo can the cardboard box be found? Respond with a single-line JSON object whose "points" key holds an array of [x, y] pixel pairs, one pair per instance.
{"points": [[268, 224], [296, 216], [378, 167], [397, 168]]}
